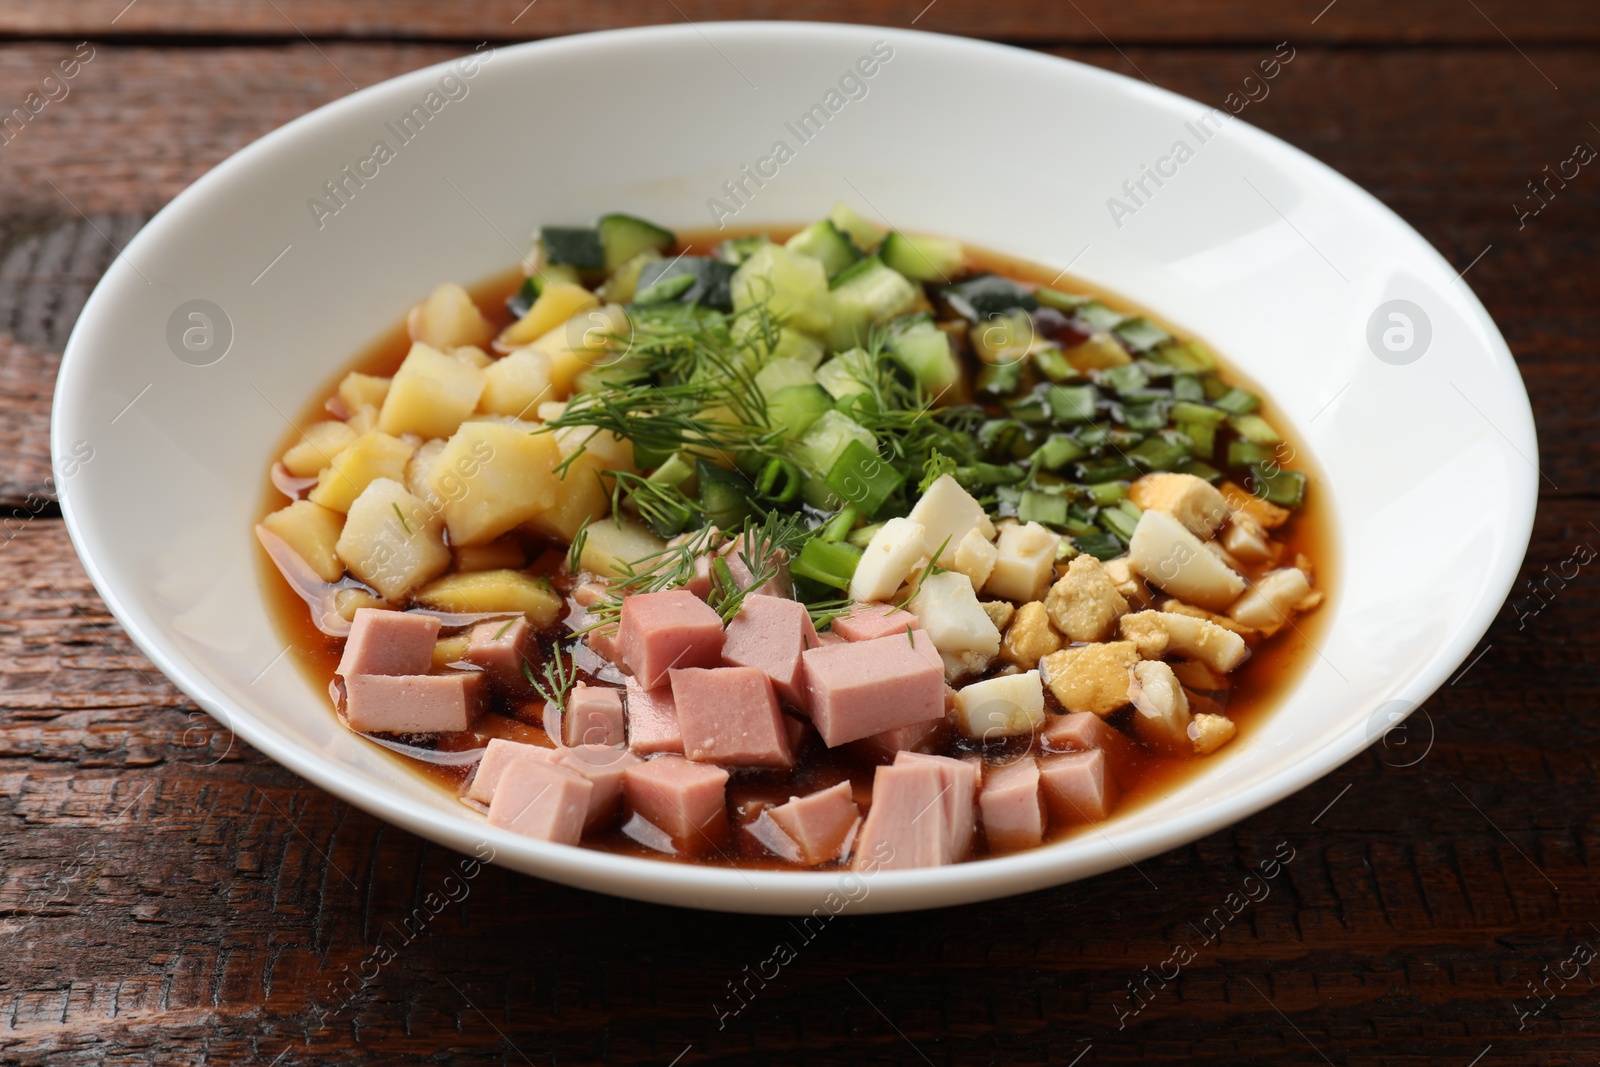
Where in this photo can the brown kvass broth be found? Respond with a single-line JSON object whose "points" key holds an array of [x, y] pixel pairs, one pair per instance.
{"points": [[1273, 669]]}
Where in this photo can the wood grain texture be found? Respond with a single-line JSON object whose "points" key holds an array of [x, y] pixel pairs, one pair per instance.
{"points": [[169, 896], [1089, 21]]}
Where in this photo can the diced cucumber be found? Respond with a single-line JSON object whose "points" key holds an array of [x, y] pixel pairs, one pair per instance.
{"points": [[794, 409], [864, 296], [841, 376], [724, 495], [678, 472], [779, 373], [831, 563], [923, 259], [1099, 316], [1055, 298], [782, 342], [923, 349], [863, 233], [1140, 334], [822, 445], [1255, 429], [1003, 338], [863, 479], [1072, 403], [736, 250], [1057, 451], [1278, 486], [794, 288], [623, 236], [623, 284], [575, 246], [707, 284], [983, 295], [827, 244]]}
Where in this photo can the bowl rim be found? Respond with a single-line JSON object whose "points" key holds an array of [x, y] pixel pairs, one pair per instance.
{"points": [[741, 889]]}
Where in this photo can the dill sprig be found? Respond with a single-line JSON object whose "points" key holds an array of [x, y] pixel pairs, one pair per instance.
{"points": [[763, 550], [558, 677], [664, 508]]}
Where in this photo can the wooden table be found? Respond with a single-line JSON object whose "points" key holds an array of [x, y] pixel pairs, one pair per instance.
{"points": [[169, 897]]}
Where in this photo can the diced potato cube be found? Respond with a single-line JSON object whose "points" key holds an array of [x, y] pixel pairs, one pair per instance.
{"points": [[584, 342], [608, 547], [515, 383], [419, 466], [492, 478], [471, 355], [614, 452], [484, 591], [948, 512], [1085, 604], [318, 444], [1268, 604], [363, 419], [1164, 552], [1161, 706], [1030, 637], [1193, 501], [448, 650], [431, 394], [503, 553], [1007, 706], [888, 560], [449, 318], [1210, 732], [1091, 678], [371, 456], [1024, 564], [392, 541], [975, 557], [312, 531], [351, 600], [559, 302], [358, 390], [948, 609], [583, 497]]}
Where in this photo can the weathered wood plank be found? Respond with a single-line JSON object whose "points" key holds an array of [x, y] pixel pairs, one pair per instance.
{"points": [[1089, 21]]}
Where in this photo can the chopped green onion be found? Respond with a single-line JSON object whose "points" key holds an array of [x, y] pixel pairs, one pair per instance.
{"points": [[1095, 436], [831, 564], [1055, 298], [1099, 316], [666, 289], [840, 525], [1072, 403], [1108, 492], [1126, 378], [1140, 334], [1247, 453], [1000, 379], [1185, 357], [1255, 429], [1120, 520], [863, 536], [1282, 487], [1006, 438], [1144, 416], [1238, 401], [1202, 437], [1107, 469], [1057, 451], [989, 474], [1053, 364], [1046, 508], [1102, 546], [1029, 409], [1187, 411], [1160, 453], [780, 480], [863, 479], [1201, 470], [1187, 387]]}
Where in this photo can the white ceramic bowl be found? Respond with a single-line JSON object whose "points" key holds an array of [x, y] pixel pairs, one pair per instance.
{"points": [[1281, 263]]}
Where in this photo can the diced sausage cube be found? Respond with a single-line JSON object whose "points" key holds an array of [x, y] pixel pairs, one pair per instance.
{"points": [[958, 796], [917, 737], [605, 766], [673, 628], [730, 715], [414, 703], [652, 720], [1084, 731], [778, 585], [687, 801], [593, 716], [867, 621], [497, 756], [541, 799], [388, 642], [1091, 677], [1078, 786], [769, 633], [1010, 806], [905, 826], [501, 648], [863, 688], [820, 824]]}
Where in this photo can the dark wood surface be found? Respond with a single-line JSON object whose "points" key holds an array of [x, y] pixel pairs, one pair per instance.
{"points": [[168, 895]]}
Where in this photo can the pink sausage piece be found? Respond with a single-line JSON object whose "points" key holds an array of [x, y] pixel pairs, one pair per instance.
{"points": [[906, 825], [769, 634], [541, 799], [1078, 786], [688, 801], [388, 642], [593, 716], [414, 703], [819, 823], [730, 715], [867, 621], [958, 796], [1010, 806], [863, 688], [501, 647], [1084, 731], [669, 629], [652, 720]]}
